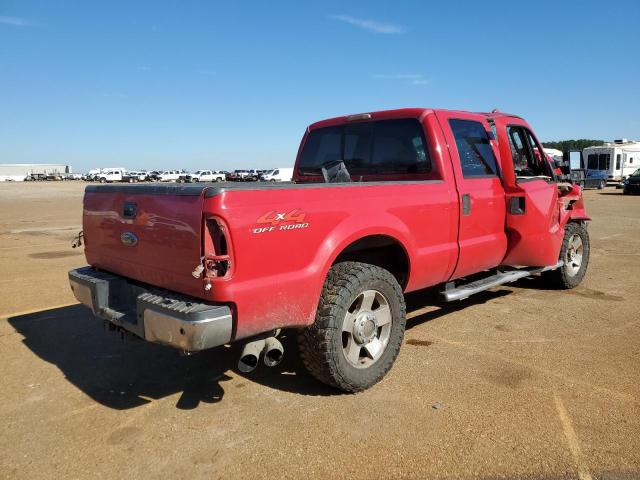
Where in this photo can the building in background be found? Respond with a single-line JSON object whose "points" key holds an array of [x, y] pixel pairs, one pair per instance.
{"points": [[17, 172]]}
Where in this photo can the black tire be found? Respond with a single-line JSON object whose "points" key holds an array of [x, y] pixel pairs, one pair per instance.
{"points": [[602, 185], [564, 277], [218, 179], [321, 344], [103, 180]]}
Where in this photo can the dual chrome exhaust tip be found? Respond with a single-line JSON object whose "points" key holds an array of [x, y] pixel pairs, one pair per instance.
{"points": [[270, 348]]}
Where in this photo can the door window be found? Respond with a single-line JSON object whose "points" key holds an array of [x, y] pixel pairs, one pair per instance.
{"points": [[529, 159], [474, 148]]}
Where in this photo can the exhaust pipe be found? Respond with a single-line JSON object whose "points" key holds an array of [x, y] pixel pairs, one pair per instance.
{"points": [[250, 356], [273, 352]]}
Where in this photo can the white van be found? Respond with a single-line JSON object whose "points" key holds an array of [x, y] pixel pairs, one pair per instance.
{"points": [[108, 175], [283, 174]]}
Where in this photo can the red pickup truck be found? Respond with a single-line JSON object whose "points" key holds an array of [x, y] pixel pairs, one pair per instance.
{"points": [[380, 204]]}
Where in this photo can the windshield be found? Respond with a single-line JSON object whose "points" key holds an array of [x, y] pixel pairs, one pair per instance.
{"points": [[636, 173]]}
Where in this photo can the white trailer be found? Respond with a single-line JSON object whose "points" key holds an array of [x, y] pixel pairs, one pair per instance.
{"points": [[619, 158]]}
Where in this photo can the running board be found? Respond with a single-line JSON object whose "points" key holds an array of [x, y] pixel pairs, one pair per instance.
{"points": [[500, 278]]}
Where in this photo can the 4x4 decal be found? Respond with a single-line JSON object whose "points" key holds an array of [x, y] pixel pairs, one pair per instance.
{"points": [[281, 221]]}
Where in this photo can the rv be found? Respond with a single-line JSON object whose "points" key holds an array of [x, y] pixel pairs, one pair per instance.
{"points": [[619, 158]]}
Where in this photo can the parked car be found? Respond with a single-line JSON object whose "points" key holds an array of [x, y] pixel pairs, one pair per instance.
{"points": [[632, 183], [109, 175], [153, 176], [134, 176], [421, 198], [283, 174], [35, 177], [238, 175], [594, 179], [169, 176], [72, 176], [54, 176], [204, 176], [92, 174]]}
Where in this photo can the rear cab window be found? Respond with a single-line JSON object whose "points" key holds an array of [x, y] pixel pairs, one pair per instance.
{"points": [[381, 150]]}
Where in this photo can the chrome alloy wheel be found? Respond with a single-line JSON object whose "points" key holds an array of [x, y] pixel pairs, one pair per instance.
{"points": [[573, 257], [366, 329]]}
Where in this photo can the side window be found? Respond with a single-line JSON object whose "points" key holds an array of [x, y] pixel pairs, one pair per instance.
{"points": [[543, 166], [529, 159], [592, 161], [276, 172], [618, 161], [474, 148]]}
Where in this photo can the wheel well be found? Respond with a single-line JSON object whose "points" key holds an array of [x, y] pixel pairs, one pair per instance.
{"points": [[381, 250]]}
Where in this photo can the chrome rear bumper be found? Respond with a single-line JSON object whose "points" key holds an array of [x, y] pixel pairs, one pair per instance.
{"points": [[154, 315]]}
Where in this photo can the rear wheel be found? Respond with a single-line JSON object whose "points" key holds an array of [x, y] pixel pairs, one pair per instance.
{"points": [[602, 185], [575, 257], [103, 180], [358, 329]]}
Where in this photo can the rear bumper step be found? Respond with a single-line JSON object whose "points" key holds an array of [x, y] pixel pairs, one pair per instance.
{"points": [[154, 315], [500, 278]]}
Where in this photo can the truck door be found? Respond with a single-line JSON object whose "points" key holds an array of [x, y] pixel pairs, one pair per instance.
{"points": [[533, 213], [481, 235]]}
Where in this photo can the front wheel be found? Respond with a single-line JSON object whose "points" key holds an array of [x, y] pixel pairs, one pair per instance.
{"points": [[602, 185], [358, 329], [574, 254]]}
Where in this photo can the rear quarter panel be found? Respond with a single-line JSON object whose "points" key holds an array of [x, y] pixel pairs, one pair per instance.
{"points": [[279, 267]]}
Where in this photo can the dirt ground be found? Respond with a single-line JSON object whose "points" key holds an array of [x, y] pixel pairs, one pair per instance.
{"points": [[519, 382]]}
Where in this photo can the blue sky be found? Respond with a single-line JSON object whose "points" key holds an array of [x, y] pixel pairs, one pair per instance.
{"points": [[205, 84]]}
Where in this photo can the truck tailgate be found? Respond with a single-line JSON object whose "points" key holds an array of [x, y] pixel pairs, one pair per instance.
{"points": [[146, 232]]}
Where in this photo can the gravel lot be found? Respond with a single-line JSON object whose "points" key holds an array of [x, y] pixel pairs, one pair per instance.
{"points": [[519, 382]]}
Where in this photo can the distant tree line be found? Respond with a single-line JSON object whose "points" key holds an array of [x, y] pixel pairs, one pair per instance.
{"points": [[566, 145]]}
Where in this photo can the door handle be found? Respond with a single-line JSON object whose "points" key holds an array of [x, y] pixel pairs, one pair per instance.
{"points": [[466, 204]]}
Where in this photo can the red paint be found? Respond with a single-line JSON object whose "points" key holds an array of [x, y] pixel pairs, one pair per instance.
{"points": [[282, 242]]}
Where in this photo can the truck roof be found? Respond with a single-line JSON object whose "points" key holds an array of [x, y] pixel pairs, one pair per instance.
{"points": [[400, 113]]}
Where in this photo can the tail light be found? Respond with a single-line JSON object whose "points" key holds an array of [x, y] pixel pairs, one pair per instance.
{"points": [[217, 250]]}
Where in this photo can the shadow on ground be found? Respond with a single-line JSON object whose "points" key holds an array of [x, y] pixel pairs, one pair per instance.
{"points": [[124, 374]]}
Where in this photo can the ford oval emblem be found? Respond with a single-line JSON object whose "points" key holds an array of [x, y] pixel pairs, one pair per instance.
{"points": [[129, 239]]}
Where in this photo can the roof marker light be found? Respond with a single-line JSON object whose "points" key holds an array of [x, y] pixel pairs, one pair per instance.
{"points": [[359, 116]]}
